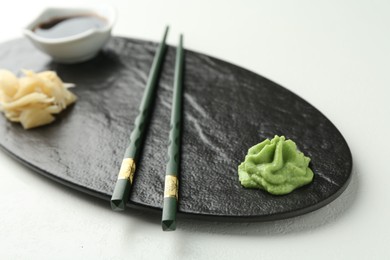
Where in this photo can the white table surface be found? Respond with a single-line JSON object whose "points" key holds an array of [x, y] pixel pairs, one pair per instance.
{"points": [[334, 54]]}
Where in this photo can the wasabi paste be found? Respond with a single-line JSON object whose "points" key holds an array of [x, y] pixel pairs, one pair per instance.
{"points": [[276, 166]]}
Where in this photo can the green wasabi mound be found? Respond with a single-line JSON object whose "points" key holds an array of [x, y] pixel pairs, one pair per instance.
{"points": [[276, 166]]}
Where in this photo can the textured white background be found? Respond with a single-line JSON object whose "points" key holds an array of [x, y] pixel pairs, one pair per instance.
{"points": [[335, 54]]}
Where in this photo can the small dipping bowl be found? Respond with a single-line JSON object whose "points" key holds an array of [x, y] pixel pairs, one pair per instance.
{"points": [[77, 47]]}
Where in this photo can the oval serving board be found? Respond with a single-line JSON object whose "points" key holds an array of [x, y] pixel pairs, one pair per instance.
{"points": [[226, 110]]}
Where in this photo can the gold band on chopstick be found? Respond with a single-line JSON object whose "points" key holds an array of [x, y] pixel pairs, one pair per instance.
{"points": [[127, 170], [171, 189]]}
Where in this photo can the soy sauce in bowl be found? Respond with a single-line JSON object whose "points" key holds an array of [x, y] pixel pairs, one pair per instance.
{"points": [[71, 35], [66, 26]]}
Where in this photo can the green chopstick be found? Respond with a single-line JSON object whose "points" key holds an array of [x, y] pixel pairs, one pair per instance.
{"points": [[171, 185], [126, 173]]}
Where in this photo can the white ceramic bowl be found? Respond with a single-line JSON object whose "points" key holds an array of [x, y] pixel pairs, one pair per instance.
{"points": [[76, 48]]}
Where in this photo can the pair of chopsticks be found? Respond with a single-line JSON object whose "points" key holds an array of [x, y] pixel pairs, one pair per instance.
{"points": [[126, 173]]}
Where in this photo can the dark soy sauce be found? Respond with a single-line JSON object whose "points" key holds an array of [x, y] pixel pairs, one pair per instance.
{"points": [[60, 27]]}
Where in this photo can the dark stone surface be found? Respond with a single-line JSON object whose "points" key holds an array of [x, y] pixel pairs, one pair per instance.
{"points": [[227, 109]]}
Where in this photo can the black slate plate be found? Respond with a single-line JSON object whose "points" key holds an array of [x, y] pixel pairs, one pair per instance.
{"points": [[227, 109]]}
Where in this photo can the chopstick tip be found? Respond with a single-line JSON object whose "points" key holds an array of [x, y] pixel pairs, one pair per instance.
{"points": [[168, 225], [117, 205]]}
